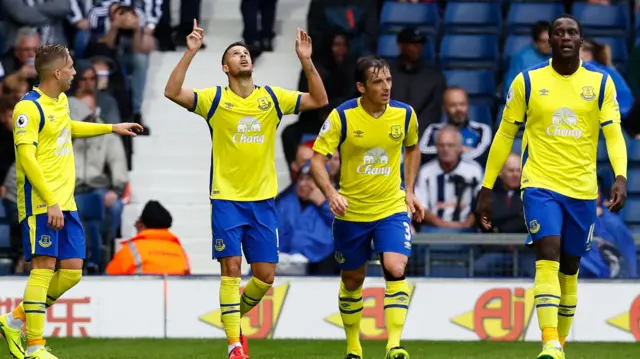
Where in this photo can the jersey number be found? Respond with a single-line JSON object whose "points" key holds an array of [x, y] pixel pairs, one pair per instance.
{"points": [[407, 232]]}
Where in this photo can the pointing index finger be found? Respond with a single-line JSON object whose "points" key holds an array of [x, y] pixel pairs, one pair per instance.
{"points": [[195, 24]]}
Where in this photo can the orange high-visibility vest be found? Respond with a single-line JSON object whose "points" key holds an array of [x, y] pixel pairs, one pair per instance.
{"points": [[152, 251]]}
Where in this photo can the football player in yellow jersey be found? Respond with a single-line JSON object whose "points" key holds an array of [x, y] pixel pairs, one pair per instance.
{"points": [[243, 119], [51, 229], [370, 132], [565, 104]]}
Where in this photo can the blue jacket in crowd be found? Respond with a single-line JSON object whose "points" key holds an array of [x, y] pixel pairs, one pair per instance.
{"points": [[625, 98]]}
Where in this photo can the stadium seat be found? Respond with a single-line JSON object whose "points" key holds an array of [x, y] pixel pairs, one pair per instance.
{"points": [[619, 51], [633, 181], [522, 16], [6, 266], [473, 17], [481, 113], [480, 85], [602, 151], [388, 49], [469, 52], [512, 46], [631, 209], [5, 237], [633, 151], [601, 20], [396, 16]]}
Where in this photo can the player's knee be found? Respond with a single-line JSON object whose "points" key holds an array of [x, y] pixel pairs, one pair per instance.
{"points": [[394, 272], [569, 265], [548, 249], [353, 280], [231, 267], [265, 272]]}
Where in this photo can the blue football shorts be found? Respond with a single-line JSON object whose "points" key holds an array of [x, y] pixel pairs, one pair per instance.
{"points": [[39, 239]]}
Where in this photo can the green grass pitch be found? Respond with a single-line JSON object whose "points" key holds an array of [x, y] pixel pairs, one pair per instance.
{"points": [[317, 349]]}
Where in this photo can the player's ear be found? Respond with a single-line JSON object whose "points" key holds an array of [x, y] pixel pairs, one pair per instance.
{"points": [[225, 69], [361, 87]]}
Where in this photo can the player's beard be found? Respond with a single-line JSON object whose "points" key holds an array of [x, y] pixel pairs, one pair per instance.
{"points": [[243, 74]]}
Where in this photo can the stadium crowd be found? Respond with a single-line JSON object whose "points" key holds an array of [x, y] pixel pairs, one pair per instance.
{"points": [[452, 61]]}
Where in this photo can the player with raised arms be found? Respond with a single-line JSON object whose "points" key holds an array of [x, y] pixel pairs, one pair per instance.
{"points": [[565, 103], [370, 133], [243, 118], [52, 233]]}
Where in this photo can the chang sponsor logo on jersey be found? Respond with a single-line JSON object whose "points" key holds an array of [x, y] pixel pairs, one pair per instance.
{"points": [[63, 143], [374, 163], [249, 131], [564, 124]]}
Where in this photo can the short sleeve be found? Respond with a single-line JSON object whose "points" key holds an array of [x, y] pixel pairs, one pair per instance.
{"points": [[411, 137], [289, 101], [26, 123], [204, 100], [329, 137], [610, 110], [515, 108]]}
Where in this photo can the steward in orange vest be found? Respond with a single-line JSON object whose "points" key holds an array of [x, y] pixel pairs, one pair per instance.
{"points": [[154, 250]]}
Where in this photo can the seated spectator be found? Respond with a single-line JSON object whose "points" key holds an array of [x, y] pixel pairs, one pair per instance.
{"points": [[303, 155], [538, 51], [305, 225], [337, 70], [449, 184], [120, 28], [154, 250], [7, 149], [599, 55], [357, 19], [19, 60], [46, 17], [476, 137], [110, 80], [508, 214], [415, 83], [86, 79], [14, 87], [101, 165]]}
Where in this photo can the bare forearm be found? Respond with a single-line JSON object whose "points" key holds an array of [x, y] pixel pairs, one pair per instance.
{"points": [[411, 164], [176, 80], [316, 87], [111, 37], [321, 176], [432, 219]]}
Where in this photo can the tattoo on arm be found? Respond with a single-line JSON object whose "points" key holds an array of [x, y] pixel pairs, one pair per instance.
{"points": [[312, 68]]}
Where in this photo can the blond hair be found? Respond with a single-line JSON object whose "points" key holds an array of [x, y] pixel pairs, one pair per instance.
{"points": [[48, 54]]}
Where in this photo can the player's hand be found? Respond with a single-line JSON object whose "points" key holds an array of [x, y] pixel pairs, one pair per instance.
{"points": [[618, 194], [195, 38], [303, 45], [127, 129], [415, 208], [338, 204], [55, 217], [484, 208]]}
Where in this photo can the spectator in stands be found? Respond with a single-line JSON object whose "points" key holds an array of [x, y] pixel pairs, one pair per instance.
{"points": [[110, 79], [508, 216], [337, 70], [476, 137], [18, 60], [168, 37], [449, 184], [86, 79], [535, 53], [46, 17], [7, 149], [101, 165], [80, 13], [14, 87], [303, 155], [599, 55], [358, 19], [305, 225], [122, 29], [154, 250], [258, 41], [415, 83]]}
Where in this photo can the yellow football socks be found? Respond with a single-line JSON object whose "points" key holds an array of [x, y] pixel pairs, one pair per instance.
{"points": [[230, 307], [547, 298], [62, 281], [568, 304], [396, 305], [35, 296], [351, 304], [252, 294]]}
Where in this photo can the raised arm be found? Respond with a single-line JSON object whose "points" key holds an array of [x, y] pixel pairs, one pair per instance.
{"points": [[317, 95], [173, 90]]}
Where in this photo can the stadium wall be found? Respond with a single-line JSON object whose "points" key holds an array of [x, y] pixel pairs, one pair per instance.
{"points": [[300, 307]]}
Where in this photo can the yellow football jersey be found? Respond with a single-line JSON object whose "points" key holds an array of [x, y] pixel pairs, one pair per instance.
{"points": [[243, 131], [370, 156], [563, 119], [44, 122]]}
